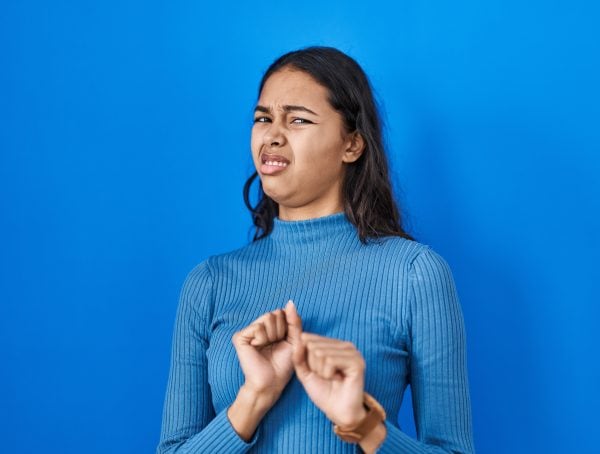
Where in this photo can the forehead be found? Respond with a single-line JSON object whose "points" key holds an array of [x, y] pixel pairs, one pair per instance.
{"points": [[293, 87]]}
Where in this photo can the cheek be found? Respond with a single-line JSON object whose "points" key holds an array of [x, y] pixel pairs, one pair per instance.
{"points": [[319, 156], [255, 142]]}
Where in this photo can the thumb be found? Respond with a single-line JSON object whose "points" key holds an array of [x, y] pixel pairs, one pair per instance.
{"points": [[299, 361], [294, 322]]}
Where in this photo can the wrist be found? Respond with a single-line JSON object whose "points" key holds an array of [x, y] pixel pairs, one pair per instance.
{"points": [[374, 439], [370, 431], [353, 418], [260, 401], [247, 410]]}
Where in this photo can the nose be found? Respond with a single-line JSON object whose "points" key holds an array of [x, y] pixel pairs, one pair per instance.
{"points": [[274, 136]]}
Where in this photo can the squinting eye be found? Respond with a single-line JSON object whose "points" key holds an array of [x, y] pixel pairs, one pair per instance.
{"points": [[261, 120], [301, 121]]}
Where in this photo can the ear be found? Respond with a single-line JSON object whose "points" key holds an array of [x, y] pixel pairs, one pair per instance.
{"points": [[354, 148]]}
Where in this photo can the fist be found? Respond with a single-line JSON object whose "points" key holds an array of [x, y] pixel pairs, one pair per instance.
{"points": [[264, 349], [332, 372]]}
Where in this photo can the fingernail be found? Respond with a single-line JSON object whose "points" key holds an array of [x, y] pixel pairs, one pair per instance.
{"points": [[290, 302]]}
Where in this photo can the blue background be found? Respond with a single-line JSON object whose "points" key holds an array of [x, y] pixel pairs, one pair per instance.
{"points": [[124, 140]]}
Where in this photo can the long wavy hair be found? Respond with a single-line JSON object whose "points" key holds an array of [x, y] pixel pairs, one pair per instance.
{"points": [[367, 193]]}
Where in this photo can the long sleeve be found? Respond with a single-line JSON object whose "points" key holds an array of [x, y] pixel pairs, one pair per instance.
{"points": [[438, 367], [395, 299], [189, 423]]}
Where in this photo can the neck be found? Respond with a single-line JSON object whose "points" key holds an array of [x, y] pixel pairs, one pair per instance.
{"points": [[322, 228], [303, 214]]}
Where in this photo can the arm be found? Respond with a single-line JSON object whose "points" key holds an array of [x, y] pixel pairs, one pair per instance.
{"points": [[438, 367], [189, 421]]}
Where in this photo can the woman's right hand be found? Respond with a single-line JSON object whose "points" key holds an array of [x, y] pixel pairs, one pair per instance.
{"points": [[264, 350]]}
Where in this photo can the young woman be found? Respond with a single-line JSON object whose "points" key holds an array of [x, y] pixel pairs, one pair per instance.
{"points": [[305, 339]]}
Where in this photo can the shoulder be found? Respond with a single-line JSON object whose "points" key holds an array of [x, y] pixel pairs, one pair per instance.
{"points": [[248, 252], [213, 266], [419, 260], [397, 250], [430, 265], [430, 278], [199, 275], [196, 291]]}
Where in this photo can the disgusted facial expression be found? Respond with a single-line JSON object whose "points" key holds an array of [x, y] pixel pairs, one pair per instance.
{"points": [[300, 145]]}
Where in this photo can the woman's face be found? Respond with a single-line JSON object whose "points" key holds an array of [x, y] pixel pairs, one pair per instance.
{"points": [[295, 125]]}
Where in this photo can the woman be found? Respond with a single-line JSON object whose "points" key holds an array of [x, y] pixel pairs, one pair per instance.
{"points": [[368, 309]]}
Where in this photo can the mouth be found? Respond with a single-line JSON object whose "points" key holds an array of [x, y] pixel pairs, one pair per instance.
{"points": [[272, 164]]}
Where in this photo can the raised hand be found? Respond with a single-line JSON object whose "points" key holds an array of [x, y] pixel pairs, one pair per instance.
{"points": [[265, 354], [264, 349], [332, 372]]}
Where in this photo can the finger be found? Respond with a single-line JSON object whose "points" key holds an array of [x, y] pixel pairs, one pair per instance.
{"points": [[300, 361], [270, 324], [319, 353], [318, 357], [245, 335], [333, 344], [323, 352], [294, 322], [312, 337], [281, 324], [345, 365], [314, 359], [329, 371], [329, 365], [258, 334], [250, 336]]}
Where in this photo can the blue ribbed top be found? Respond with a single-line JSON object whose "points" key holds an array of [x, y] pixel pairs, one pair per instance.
{"points": [[395, 300]]}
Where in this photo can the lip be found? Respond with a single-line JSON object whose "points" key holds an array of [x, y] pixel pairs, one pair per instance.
{"points": [[272, 170], [273, 157]]}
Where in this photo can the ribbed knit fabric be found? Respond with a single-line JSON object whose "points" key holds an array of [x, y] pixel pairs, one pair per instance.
{"points": [[396, 301]]}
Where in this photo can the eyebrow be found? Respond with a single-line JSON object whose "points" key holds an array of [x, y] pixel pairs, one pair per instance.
{"points": [[286, 109]]}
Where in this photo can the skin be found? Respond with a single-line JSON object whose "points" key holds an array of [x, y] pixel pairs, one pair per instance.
{"points": [[317, 146], [274, 346]]}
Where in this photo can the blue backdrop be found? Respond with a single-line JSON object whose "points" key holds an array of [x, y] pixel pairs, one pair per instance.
{"points": [[124, 140]]}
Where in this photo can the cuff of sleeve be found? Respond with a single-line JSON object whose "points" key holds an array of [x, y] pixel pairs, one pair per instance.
{"points": [[397, 441], [223, 437]]}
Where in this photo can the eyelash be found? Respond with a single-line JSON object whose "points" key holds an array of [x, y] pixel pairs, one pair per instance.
{"points": [[303, 121]]}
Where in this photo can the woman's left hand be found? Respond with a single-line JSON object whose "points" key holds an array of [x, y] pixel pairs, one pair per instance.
{"points": [[332, 372]]}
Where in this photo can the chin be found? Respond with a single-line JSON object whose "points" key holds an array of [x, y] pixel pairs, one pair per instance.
{"points": [[274, 198], [277, 198]]}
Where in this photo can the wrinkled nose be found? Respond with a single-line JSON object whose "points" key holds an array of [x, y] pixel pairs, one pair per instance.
{"points": [[274, 136]]}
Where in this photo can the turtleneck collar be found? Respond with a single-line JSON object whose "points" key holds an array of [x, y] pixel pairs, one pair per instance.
{"points": [[309, 230]]}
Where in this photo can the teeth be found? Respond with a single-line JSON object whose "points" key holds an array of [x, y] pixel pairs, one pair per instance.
{"points": [[276, 163]]}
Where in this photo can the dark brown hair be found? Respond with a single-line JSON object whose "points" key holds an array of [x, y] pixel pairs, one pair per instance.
{"points": [[368, 200]]}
